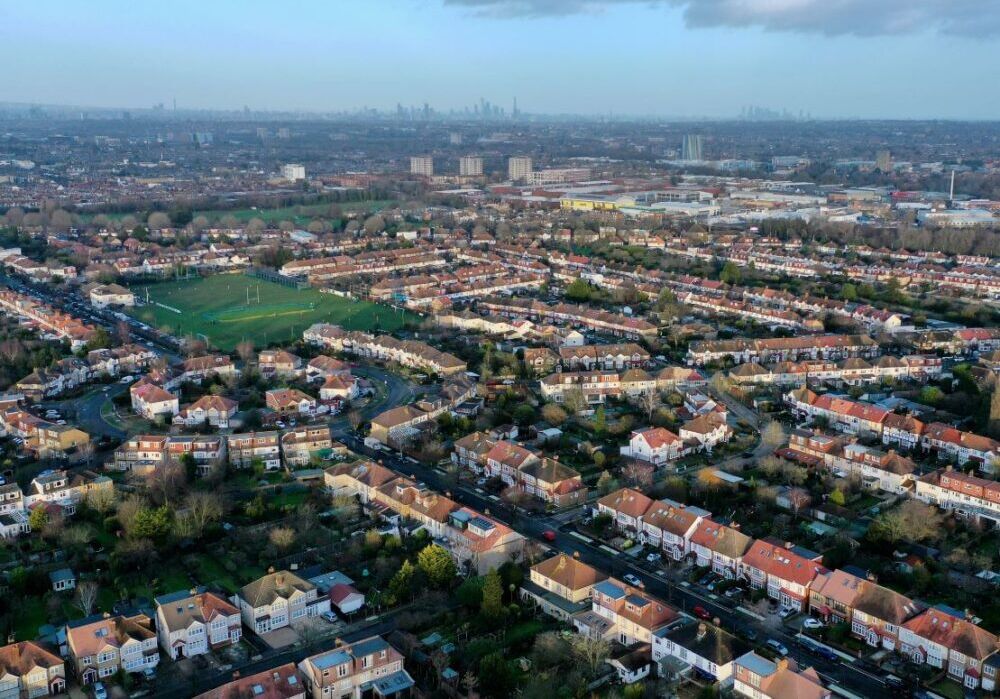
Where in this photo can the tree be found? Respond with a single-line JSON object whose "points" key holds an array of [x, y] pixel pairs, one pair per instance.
{"points": [[86, 596], [245, 351], [554, 414], [204, 507], [524, 414], [158, 221], [401, 585], [282, 538], [649, 401], [470, 682], [773, 435], [437, 565], [837, 498], [495, 676], [730, 273], [152, 523], [38, 518], [994, 423], [574, 400], [492, 605], [578, 290], [849, 292], [605, 483], [592, 652]]}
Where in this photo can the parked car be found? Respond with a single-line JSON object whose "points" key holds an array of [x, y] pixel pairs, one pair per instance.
{"points": [[99, 691], [329, 616], [632, 579], [653, 557], [812, 623], [733, 592], [777, 647], [549, 535], [701, 612], [787, 612]]}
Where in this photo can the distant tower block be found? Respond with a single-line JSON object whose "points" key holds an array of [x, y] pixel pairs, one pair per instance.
{"points": [[422, 165], [470, 166]]}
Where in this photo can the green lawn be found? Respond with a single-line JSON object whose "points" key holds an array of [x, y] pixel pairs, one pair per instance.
{"points": [[217, 308]]}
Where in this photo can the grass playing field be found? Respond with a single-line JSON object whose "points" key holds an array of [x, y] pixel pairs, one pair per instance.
{"points": [[230, 308]]}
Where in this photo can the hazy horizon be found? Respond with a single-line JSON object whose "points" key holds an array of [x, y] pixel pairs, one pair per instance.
{"points": [[678, 59]]}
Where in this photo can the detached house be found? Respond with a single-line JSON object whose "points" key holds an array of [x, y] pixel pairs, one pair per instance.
{"points": [[290, 401], [657, 445], [278, 600], [190, 623], [279, 363], [197, 369], [150, 401]]}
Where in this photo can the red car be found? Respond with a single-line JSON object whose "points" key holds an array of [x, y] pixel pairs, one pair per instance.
{"points": [[549, 535], [701, 613]]}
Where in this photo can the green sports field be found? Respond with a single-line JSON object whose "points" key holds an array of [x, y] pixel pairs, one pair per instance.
{"points": [[230, 308]]}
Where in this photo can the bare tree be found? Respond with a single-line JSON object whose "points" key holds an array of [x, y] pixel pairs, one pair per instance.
{"points": [[354, 419], [204, 507], [592, 652], [158, 221], [123, 332], [773, 435], [245, 350], [469, 682], [101, 499], [574, 400], [86, 595], [166, 481], [282, 537]]}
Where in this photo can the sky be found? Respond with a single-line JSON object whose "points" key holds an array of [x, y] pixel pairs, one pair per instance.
{"points": [[666, 58]]}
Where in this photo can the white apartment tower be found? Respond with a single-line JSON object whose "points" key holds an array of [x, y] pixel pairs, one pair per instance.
{"points": [[293, 172], [519, 167], [470, 166], [422, 165]]}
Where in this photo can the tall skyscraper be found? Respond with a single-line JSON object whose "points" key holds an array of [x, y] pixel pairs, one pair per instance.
{"points": [[422, 165], [519, 167], [691, 147], [470, 166]]}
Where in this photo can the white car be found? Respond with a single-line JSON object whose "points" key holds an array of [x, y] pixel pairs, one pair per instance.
{"points": [[632, 579], [653, 557], [812, 623]]}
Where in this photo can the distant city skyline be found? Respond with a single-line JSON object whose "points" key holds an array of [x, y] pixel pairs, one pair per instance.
{"points": [[667, 58]]}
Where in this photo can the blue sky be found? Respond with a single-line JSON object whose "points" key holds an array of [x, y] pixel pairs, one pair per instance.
{"points": [[833, 58]]}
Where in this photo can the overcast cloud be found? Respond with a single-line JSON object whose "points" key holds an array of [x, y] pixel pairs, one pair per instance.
{"points": [[831, 17]]}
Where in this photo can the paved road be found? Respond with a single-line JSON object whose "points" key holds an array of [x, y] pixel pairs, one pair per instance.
{"points": [[86, 410], [656, 582]]}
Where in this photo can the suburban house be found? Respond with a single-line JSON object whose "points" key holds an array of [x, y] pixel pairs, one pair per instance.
{"points": [[290, 401], [943, 638], [194, 622], [104, 295], [197, 369], [709, 649], [759, 678], [626, 508], [247, 447], [29, 670], [150, 401], [668, 526], [301, 445], [100, 647], [278, 363], [472, 451], [785, 571], [719, 546], [480, 542], [216, 411], [282, 682], [278, 600], [366, 669], [657, 445], [623, 613], [966, 495], [560, 586]]}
